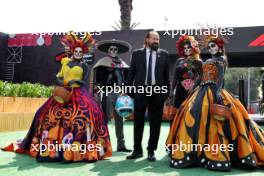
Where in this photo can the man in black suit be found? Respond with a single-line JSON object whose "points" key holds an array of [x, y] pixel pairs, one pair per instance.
{"points": [[149, 67]]}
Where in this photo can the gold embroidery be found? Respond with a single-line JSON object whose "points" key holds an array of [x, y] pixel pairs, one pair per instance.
{"points": [[210, 73]]}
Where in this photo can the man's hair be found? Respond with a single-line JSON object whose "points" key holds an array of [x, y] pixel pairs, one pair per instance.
{"points": [[146, 37]]}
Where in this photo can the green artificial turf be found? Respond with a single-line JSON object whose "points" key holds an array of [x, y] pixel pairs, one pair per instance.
{"points": [[12, 164]]}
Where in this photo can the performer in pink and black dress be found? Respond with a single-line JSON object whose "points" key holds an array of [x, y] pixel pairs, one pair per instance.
{"points": [[188, 69], [77, 126]]}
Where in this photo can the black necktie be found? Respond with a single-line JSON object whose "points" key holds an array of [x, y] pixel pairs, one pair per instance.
{"points": [[149, 79]]}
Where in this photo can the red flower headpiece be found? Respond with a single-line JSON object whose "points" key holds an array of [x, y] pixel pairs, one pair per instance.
{"points": [[218, 40], [185, 39], [72, 41]]}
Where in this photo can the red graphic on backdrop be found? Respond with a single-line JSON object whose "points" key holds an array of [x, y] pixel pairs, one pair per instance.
{"points": [[18, 40], [259, 41]]}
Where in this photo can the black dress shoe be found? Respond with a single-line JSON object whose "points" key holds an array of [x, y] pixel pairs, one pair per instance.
{"points": [[123, 150], [151, 156], [135, 155]]}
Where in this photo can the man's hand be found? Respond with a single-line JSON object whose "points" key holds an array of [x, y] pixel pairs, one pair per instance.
{"points": [[60, 81], [80, 82]]}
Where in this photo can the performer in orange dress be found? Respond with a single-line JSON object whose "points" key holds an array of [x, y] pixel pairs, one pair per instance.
{"points": [[72, 131], [212, 128]]}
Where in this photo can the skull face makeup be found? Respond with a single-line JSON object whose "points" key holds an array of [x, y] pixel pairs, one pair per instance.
{"points": [[213, 48], [187, 49], [112, 51], [78, 53]]}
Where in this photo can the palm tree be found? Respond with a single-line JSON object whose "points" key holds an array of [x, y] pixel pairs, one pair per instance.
{"points": [[125, 18], [117, 26]]}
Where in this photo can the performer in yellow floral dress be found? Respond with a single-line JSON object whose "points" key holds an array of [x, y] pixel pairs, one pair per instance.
{"points": [[68, 131], [212, 128]]}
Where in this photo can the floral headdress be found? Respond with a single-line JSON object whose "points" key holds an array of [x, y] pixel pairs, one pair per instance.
{"points": [[72, 41], [217, 38], [186, 39]]}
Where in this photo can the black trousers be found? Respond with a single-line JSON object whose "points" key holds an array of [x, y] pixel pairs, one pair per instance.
{"points": [[155, 110], [108, 105]]}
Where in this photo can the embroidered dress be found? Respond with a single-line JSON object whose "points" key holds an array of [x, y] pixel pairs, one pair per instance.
{"points": [[212, 128], [76, 131]]}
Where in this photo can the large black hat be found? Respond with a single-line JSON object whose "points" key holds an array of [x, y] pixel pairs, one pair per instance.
{"points": [[122, 46]]}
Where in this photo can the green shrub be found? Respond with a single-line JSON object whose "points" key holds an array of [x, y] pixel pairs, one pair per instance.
{"points": [[25, 90]]}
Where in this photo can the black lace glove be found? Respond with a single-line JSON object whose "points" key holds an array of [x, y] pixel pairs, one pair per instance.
{"points": [[80, 82]]}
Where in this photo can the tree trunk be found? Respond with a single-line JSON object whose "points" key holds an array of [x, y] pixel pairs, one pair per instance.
{"points": [[125, 9]]}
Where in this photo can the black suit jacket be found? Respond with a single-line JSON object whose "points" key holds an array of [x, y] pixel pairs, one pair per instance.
{"points": [[137, 71]]}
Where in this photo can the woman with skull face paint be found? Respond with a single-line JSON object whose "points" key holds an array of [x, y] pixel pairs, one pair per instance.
{"points": [[216, 121], [73, 131], [187, 69]]}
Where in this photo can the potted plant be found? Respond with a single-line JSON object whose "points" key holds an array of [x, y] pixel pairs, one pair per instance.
{"points": [[19, 102]]}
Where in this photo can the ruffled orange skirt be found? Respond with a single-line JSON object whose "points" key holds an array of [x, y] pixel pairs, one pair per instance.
{"points": [[196, 137], [73, 132]]}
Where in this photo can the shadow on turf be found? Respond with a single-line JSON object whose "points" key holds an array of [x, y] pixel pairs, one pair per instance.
{"points": [[25, 162], [113, 168]]}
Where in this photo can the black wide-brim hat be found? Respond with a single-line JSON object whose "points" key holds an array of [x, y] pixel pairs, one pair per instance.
{"points": [[122, 46]]}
